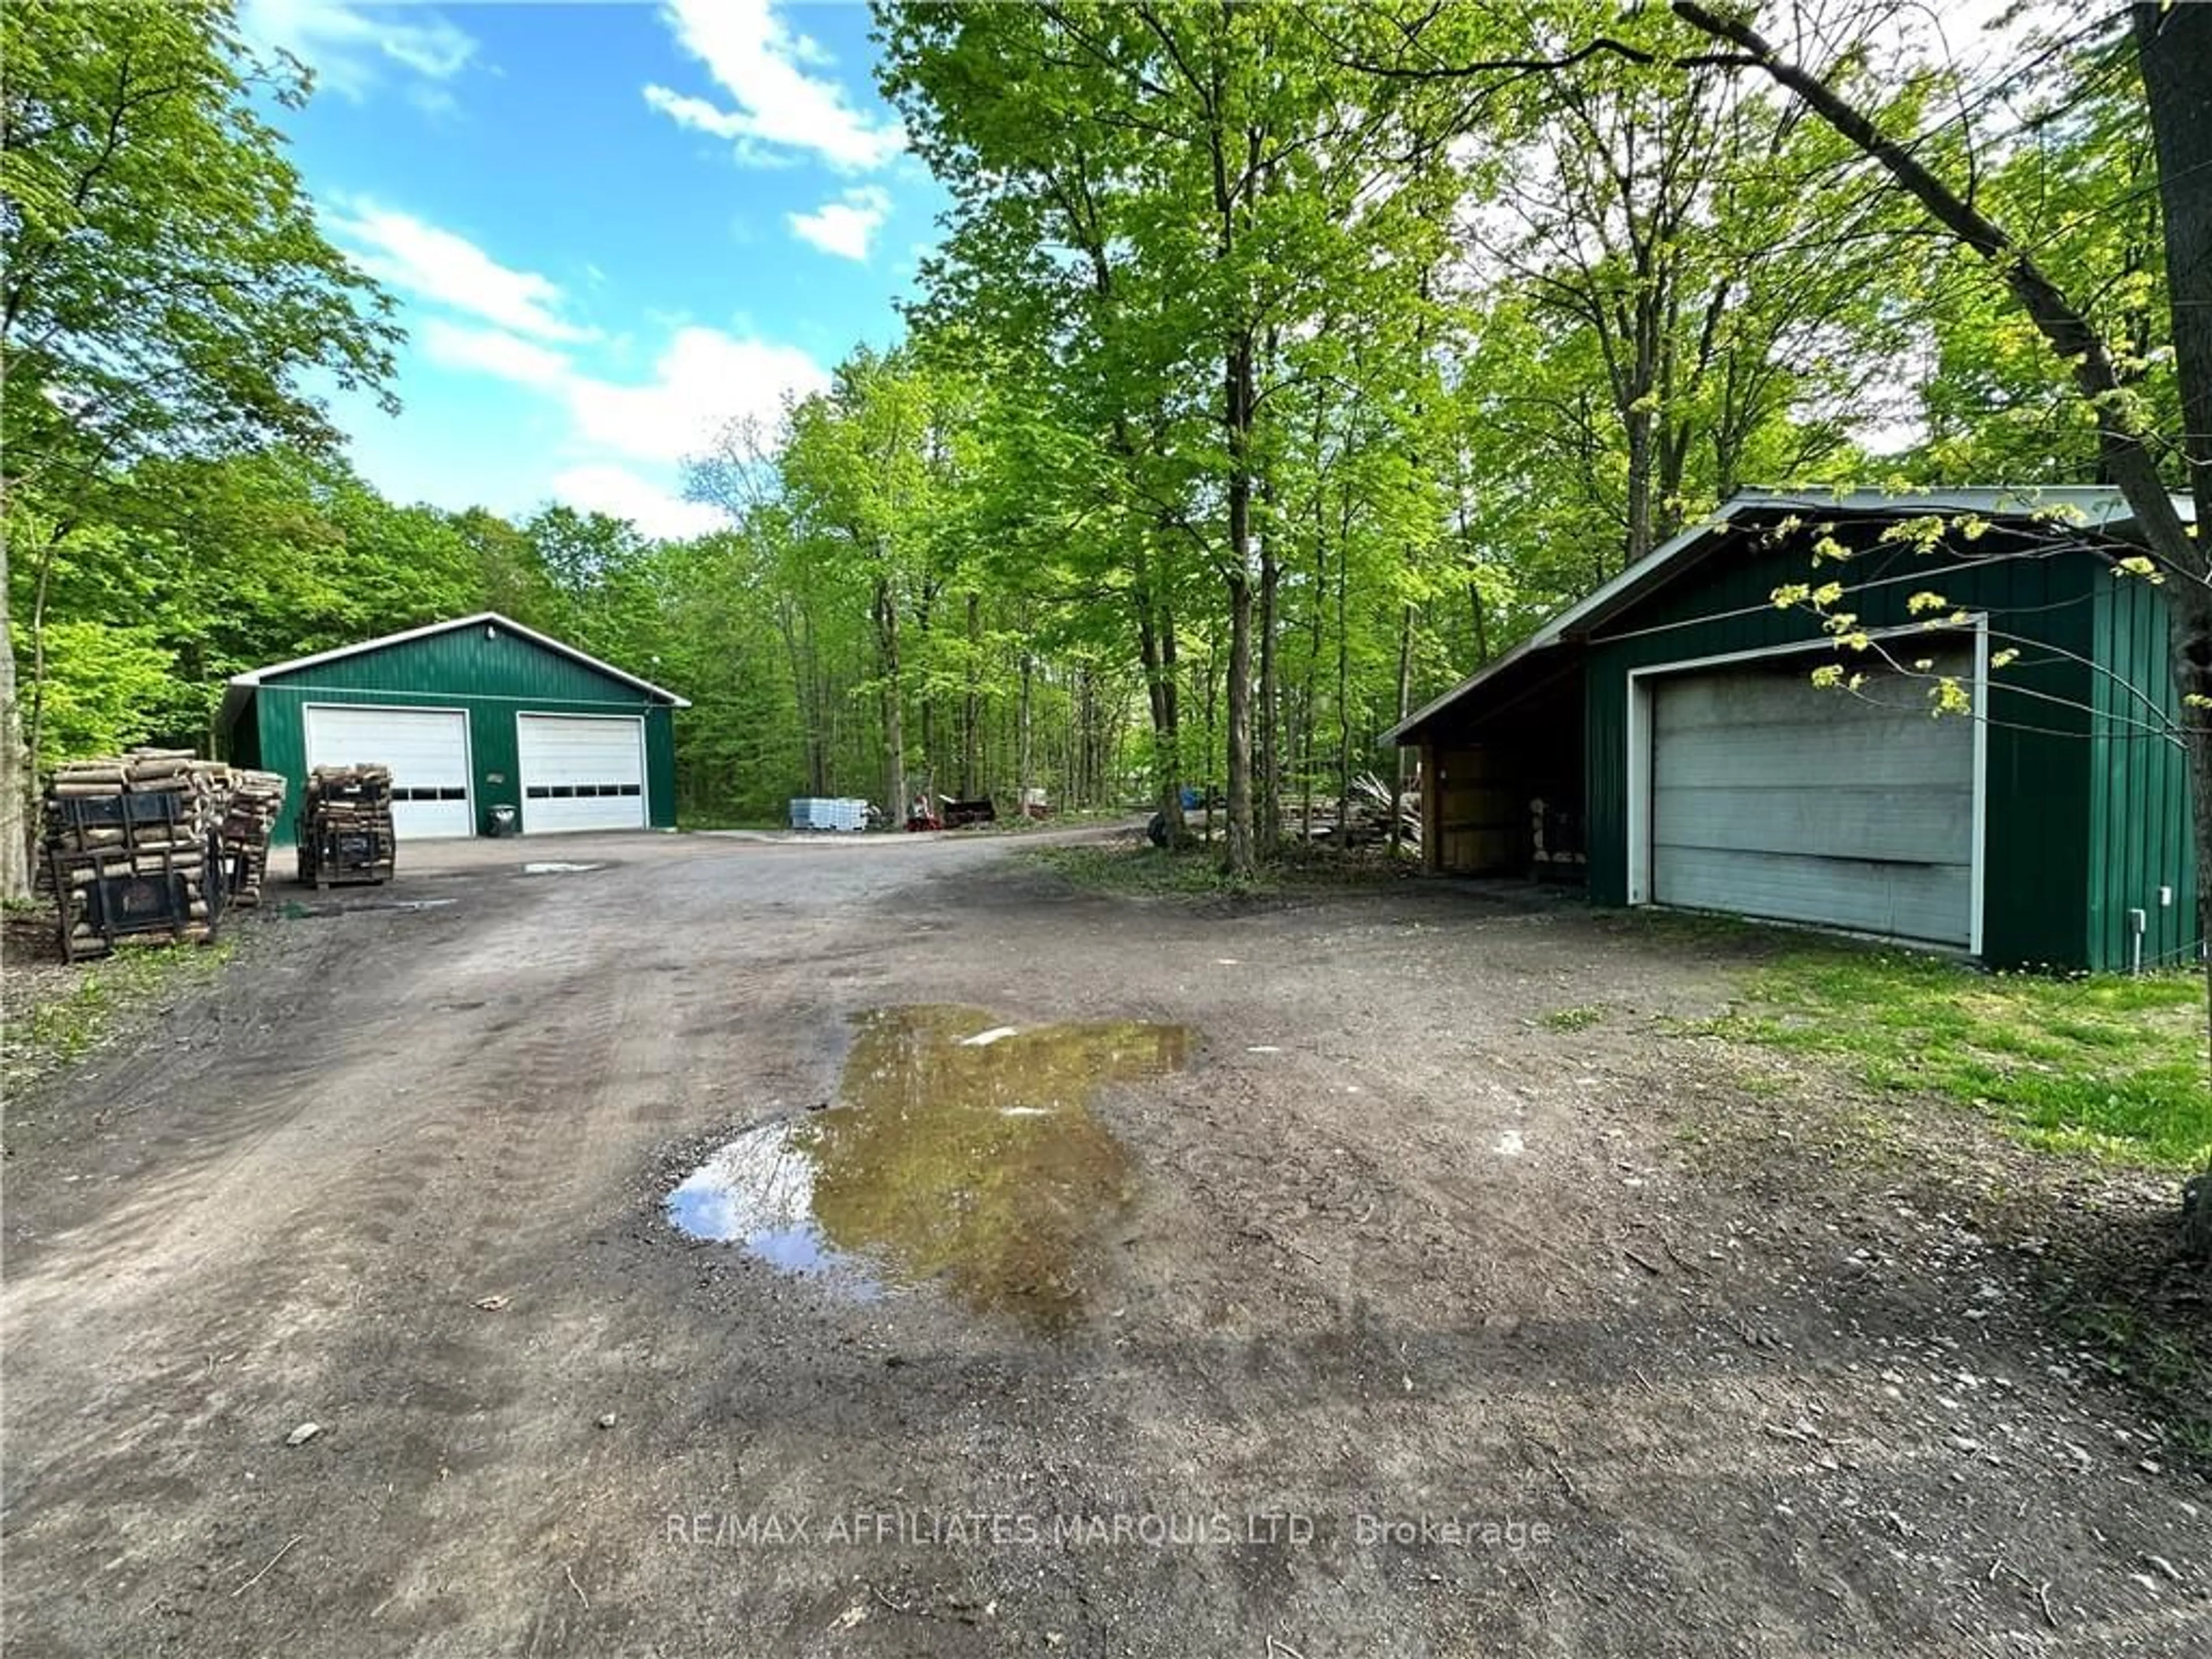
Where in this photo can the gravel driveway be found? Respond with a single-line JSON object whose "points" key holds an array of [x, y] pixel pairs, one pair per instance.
{"points": [[1420, 1322]]}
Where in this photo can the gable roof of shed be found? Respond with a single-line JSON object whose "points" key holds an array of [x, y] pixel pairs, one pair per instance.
{"points": [[2101, 507], [242, 686]]}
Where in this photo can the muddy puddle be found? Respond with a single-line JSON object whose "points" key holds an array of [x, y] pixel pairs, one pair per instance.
{"points": [[961, 1150]]}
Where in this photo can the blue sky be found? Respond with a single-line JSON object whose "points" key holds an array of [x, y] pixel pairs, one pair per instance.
{"points": [[611, 229]]}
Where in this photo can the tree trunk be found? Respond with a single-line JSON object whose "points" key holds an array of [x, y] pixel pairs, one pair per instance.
{"points": [[923, 610], [1343, 702], [2175, 45], [1638, 539], [1267, 757], [820, 732], [1156, 650], [1213, 722], [1404, 703], [1024, 767], [971, 710], [1240, 862], [34, 740], [1171, 730], [16, 780], [1475, 607], [887, 651]]}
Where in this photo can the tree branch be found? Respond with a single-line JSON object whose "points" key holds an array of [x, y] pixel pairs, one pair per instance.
{"points": [[2070, 334]]}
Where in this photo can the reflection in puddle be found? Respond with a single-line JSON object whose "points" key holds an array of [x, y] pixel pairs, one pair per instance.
{"points": [[759, 1191], [976, 1163]]}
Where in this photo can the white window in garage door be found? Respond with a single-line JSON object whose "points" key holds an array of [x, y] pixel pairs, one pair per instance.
{"points": [[582, 772], [427, 750]]}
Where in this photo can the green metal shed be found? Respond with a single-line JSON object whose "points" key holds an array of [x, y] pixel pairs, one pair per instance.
{"points": [[1664, 742], [470, 714]]}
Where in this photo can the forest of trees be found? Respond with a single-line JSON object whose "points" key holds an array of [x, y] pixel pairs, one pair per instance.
{"points": [[1278, 366]]}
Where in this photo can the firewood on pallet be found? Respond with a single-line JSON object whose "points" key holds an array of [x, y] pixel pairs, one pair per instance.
{"points": [[345, 832], [256, 800], [131, 849]]}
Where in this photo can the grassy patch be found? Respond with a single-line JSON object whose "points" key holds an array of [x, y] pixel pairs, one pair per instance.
{"points": [[1571, 1020], [694, 822], [69, 1011], [2146, 1349], [2111, 1067], [1145, 871], [1142, 870]]}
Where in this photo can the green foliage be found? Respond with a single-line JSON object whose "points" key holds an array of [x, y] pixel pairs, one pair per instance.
{"points": [[1137, 870], [2110, 1065], [166, 283], [2078, 185], [125, 628], [51, 1022], [1126, 872], [1580, 1018], [104, 686], [165, 295]]}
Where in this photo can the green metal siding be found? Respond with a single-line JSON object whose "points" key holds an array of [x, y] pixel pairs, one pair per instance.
{"points": [[2038, 804], [2140, 838], [493, 678]]}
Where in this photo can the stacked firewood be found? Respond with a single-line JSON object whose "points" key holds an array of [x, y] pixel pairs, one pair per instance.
{"points": [[256, 800], [1363, 818], [131, 849], [345, 826]]}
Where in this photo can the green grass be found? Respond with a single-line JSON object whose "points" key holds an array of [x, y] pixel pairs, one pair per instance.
{"points": [[2163, 1352], [55, 1029], [693, 821], [1571, 1019], [2111, 1067], [1145, 871]]}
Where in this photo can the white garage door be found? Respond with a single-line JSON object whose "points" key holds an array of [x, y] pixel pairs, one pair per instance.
{"points": [[1771, 797], [426, 749], [582, 772]]}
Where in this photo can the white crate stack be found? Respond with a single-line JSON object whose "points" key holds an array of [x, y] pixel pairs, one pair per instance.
{"points": [[824, 812]]}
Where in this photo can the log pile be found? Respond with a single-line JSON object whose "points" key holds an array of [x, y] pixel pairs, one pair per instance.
{"points": [[256, 800], [130, 846], [1363, 819], [345, 826]]}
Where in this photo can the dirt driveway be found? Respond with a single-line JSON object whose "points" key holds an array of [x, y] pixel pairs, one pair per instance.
{"points": [[1427, 1325]]}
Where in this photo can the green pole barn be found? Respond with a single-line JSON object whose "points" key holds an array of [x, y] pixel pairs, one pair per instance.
{"points": [[470, 714], [1664, 743]]}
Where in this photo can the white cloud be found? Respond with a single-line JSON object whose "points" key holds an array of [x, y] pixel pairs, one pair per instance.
{"points": [[623, 438], [400, 250], [704, 379], [762, 63], [845, 226], [349, 49], [621, 494], [494, 351]]}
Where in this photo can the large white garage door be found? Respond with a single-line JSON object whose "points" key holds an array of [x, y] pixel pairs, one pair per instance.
{"points": [[582, 772], [1771, 797], [426, 749]]}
